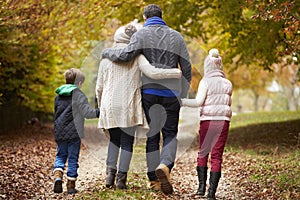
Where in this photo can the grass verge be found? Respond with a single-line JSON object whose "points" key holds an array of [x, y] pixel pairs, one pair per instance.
{"points": [[271, 144]]}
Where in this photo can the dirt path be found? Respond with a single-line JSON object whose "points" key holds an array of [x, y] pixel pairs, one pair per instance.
{"points": [[94, 151], [93, 154], [92, 160]]}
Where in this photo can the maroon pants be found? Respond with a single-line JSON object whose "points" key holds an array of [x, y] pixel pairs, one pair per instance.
{"points": [[212, 139]]}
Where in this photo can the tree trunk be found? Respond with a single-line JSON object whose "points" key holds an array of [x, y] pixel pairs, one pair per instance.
{"points": [[256, 97]]}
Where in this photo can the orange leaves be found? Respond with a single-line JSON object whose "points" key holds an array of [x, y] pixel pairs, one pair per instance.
{"points": [[27, 156], [26, 163]]}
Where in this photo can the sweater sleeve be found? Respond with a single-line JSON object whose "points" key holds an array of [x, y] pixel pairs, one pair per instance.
{"points": [[124, 54], [84, 107], [201, 95], [186, 68], [99, 83], [156, 73]]}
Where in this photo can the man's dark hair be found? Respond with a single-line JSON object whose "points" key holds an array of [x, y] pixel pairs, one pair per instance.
{"points": [[152, 10]]}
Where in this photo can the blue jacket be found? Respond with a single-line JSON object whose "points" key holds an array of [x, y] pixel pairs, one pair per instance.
{"points": [[71, 108]]}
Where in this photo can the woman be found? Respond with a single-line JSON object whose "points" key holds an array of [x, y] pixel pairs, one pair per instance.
{"points": [[119, 99]]}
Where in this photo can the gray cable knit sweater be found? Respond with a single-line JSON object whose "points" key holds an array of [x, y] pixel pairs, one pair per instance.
{"points": [[164, 48]]}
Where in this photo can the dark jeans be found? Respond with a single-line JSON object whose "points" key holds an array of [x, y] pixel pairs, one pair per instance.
{"points": [[162, 114], [120, 138], [68, 150], [212, 139]]}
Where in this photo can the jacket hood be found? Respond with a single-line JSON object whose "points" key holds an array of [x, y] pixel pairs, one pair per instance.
{"points": [[66, 90], [215, 73]]}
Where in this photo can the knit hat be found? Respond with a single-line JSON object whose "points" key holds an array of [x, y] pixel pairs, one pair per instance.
{"points": [[213, 61], [124, 33]]}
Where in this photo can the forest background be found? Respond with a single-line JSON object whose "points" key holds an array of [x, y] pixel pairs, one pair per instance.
{"points": [[40, 39]]}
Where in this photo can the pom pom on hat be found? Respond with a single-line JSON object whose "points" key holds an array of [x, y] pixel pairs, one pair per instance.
{"points": [[214, 53], [213, 61], [124, 33], [130, 30]]}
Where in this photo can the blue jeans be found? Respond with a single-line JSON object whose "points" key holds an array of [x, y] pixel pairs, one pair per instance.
{"points": [[120, 138], [162, 114], [68, 150]]}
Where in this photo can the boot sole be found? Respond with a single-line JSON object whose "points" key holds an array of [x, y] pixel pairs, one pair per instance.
{"points": [[73, 191], [110, 186], [201, 192], [58, 186], [110, 181], [166, 186]]}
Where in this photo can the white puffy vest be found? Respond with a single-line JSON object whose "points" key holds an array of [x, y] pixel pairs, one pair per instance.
{"points": [[218, 99]]}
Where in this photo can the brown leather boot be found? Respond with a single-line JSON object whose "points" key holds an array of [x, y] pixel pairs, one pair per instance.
{"points": [[155, 185], [58, 176], [163, 174], [71, 186]]}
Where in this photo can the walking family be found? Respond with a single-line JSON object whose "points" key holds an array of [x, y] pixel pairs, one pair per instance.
{"points": [[143, 80]]}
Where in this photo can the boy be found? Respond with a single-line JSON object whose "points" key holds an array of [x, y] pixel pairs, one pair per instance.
{"points": [[71, 108]]}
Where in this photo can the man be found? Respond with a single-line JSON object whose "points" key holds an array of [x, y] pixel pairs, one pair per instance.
{"points": [[164, 48]]}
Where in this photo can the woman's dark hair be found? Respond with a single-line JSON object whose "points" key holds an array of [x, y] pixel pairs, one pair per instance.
{"points": [[152, 10]]}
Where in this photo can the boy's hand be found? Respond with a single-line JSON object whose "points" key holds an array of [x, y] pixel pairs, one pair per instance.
{"points": [[97, 112]]}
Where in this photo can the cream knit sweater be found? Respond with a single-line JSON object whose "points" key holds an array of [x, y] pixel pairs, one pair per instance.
{"points": [[118, 90]]}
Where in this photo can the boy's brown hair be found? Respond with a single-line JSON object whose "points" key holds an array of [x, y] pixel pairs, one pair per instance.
{"points": [[74, 76]]}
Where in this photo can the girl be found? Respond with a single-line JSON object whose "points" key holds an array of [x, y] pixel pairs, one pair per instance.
{"points": [[214, 100]]}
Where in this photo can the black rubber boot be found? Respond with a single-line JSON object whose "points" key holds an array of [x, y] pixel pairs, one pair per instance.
{"points": [[202, 177], [110, 177], [121, 180], [213, 184]]}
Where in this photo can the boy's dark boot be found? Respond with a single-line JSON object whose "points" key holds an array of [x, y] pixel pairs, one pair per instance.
{"points": [[202, 177], [71, 186], [110, 177], [58, 176], [213, 184], [121, 180]]}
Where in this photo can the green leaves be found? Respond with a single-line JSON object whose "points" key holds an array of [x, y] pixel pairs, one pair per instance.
{"points": [[40, 39]]}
